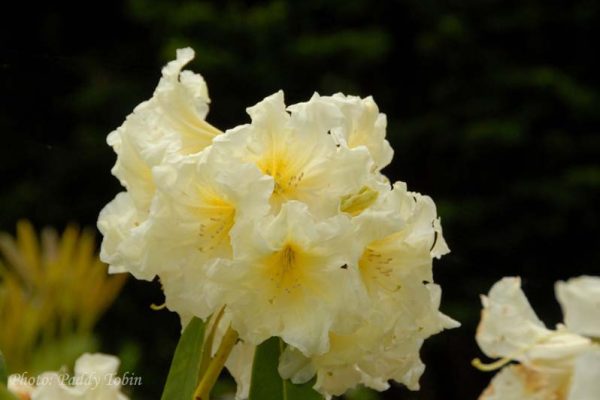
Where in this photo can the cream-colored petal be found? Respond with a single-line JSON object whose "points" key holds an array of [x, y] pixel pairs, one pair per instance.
{"points": [[239, 365], [170, 125], [122, 245], [96, 364], [515, 382], [20, 386], [580, 302], [299, 154], [295, 366], [585, 382], [51, 386], [292, 278], [353, 122], [509, 328]]}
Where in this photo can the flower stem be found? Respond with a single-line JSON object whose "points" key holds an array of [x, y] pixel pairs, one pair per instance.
{"points": [[208, 342], [216, 365]]}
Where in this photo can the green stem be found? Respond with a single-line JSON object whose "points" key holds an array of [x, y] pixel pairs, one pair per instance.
{"points": [[208, 341], [216, 365]]}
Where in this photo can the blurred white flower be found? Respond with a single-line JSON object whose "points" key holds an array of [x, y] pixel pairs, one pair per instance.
{"points": [[20, 387], [95, 378], [556, 363]]}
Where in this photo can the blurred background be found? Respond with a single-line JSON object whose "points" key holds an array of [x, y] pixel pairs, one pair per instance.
{"points": [[493, 110]]}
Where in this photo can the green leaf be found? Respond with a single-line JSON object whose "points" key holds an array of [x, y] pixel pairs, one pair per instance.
{"points": [[267, 384], [185, 367], [3, 370], [5, 394]]}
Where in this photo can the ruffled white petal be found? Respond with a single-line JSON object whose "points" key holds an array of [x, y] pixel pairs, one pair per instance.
{"points": [[353, 122], [166, 128], [510, 328], [122, 246], [580, 302], [296, 151], [517, 382], [291, 278], [585, 382]]}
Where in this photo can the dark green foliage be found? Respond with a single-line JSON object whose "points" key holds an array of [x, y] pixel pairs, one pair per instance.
{"points": [[185, 367], [3, 370], [5, 394]]}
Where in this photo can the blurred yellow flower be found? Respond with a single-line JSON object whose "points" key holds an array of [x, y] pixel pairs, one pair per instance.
{"points": [[53, 289]]}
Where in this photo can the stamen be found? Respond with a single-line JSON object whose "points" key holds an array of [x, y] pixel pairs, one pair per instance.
{"points": [[356, 203], [158, 307], [477, 363]]}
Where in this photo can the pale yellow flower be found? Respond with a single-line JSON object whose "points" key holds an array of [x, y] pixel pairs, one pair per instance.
{"points": [[510, 328], [168, 125], [295, 149], [165, 128], [397, 238], [292, 277], [200, 203], [282, 227], [554, 364], [355, 123]]}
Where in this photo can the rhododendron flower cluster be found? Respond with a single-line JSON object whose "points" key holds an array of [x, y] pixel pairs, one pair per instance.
{"points": [[553, 364], [285, 224]]}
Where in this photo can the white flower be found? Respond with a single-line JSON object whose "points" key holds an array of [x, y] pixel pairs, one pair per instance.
{"points": [[580, 302], [295, 149], [20, 387], [510, 328], [292, 277], [357, 123], [166, 127], [400, 234], [199, 204], [285, 227], [94, 379], [554, 363], [170, 124], [121, 247], [397, 238]]}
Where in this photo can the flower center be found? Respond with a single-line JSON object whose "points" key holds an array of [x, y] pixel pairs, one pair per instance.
{"points": [[287, 176], [217, 216], [376, 270], [285, 268], [356, 203]]}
